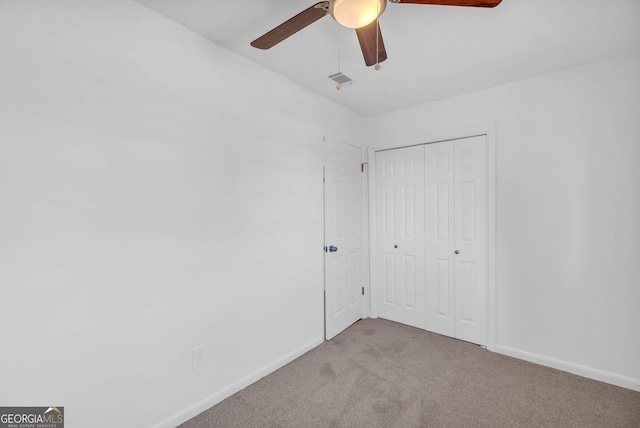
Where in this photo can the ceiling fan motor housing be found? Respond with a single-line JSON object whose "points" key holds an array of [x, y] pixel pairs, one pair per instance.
{"points": [[356, 13]]}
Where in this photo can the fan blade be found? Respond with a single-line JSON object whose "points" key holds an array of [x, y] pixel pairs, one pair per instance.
{"points": [[473, 3], [291, 26], [370, 37]]}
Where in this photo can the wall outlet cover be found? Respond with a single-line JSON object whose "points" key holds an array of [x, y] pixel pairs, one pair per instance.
{"points": [[198, 357]]}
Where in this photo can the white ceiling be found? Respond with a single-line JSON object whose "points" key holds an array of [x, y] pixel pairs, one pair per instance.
{"points": [[435, 52]]}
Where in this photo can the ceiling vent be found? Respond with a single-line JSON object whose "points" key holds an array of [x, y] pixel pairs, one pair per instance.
{"points": [[341, 79]]}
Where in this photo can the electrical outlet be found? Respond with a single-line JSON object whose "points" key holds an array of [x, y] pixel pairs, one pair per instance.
{"points": [[198, 357]]}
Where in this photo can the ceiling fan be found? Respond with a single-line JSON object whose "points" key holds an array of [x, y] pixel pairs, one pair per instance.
{"points": [[362, 15]]}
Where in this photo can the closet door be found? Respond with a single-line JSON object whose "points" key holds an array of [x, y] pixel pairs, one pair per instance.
{"points": [[456, 238], [431, 207], [400, 235], [440, 237], [471, 239]]}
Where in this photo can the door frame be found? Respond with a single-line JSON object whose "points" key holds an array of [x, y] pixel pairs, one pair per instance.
{"points": [[489, 131]]}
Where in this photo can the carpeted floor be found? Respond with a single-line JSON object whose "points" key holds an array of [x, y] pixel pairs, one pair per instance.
{"points": [[379, 373]]}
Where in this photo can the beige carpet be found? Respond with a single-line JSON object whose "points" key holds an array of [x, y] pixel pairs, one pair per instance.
{"points": [[379, 373]]}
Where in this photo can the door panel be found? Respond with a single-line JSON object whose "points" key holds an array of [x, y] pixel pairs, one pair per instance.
{"points": [[400, 234], [443, 287], [471, 239], [439, 237], [389, 275], [343, 230]]}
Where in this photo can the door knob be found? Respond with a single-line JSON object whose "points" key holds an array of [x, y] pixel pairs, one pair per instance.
{"points": [[333, 249], [456, 252], [395, 246]]}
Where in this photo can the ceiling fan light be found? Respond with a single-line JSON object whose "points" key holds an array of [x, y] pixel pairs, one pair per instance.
{"points": [[356, 13]]}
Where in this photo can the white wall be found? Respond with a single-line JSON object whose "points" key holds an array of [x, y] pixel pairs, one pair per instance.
{"points": [[568, 204], [157, 194]]}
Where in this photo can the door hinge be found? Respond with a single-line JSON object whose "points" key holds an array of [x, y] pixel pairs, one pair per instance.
{"points": [[362, 166], [363, 291]]}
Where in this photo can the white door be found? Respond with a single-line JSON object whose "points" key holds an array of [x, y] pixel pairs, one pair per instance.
{"points": [[471, 239], [400, 235], [431, 203], [439, 238], [343, 236]]}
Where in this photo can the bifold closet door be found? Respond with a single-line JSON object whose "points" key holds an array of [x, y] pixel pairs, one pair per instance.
{"points": [[455, 238], [471, 239], [440, 237], [400, 235], [432, 237]]}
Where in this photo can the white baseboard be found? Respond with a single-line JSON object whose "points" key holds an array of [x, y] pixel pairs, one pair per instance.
{"points": [[228, 391], [591, 373]]}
